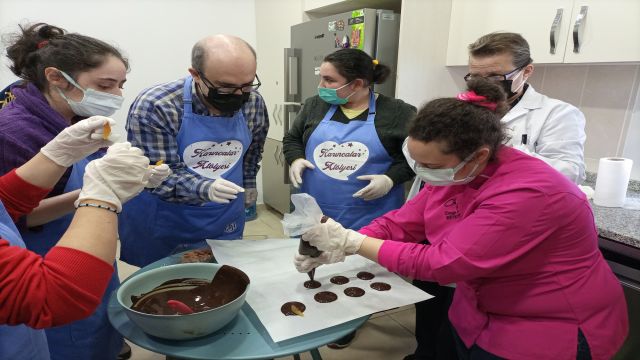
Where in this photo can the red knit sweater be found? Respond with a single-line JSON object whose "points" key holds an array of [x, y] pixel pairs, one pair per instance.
{"points": [[64, 286]]}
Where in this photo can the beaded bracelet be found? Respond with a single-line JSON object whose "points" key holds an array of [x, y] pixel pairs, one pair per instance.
{"points": [[98, 206]]}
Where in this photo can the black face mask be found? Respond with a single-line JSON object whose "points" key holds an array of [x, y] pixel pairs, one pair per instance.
{"points": [[226, 103], [506, 86]]}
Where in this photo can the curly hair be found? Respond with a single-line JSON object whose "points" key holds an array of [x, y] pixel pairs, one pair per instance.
{"points": [[41, 45], [461, 126]]}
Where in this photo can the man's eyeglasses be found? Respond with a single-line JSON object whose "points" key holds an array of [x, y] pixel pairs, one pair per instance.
{"points": [[496, 78], [226, 89]]}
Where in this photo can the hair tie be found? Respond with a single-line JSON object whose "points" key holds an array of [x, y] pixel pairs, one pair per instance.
{"points": [[475, 99], [375, 62], [42, 44]]}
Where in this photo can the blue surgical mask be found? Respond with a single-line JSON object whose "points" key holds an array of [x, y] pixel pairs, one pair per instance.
{"points": [[93, 102], [331, 95], [444, 177]]}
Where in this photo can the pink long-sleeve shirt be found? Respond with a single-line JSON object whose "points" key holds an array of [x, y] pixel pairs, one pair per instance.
{"points": [[521, 244]]}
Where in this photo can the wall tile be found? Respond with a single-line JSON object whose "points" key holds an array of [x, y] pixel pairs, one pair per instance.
{"points": [[604, 131], [609, 86], [564, 82]]}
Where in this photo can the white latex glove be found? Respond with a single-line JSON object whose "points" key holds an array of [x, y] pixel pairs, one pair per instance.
{"points": [[304, 263], [331, 236], [223, 191], [78, 141], [250, 196], [157, 174], [296, 169], [379, 186], [117, 177]]}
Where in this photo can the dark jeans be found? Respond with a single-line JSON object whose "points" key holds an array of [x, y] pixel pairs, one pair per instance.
{"points": [[433, 329], [477, 353]]}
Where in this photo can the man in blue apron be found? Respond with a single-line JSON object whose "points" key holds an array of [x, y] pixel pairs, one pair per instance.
{"points": [[210, 128]]}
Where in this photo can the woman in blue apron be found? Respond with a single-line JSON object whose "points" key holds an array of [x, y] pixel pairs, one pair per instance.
{"points": [[19, 341], [48, 293], [345, 147], [71, 77], [152, 228]]}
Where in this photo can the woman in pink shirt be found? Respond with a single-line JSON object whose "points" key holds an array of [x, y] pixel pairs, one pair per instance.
{"points": [[517, 238]]}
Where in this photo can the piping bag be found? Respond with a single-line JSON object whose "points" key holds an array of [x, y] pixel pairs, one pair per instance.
{"points": [[306, 215]]}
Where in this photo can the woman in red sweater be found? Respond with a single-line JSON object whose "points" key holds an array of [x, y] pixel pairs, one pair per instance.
{"points": [[68, 283]]}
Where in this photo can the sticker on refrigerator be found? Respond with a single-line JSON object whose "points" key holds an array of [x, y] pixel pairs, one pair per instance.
{"points": [[356, 20], [316, 70], [357, 29], [340, 25], [345, 42], [331, 26]]}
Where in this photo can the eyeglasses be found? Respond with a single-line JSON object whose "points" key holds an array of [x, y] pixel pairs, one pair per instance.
{"points": [[506, 76], [231, 89]]}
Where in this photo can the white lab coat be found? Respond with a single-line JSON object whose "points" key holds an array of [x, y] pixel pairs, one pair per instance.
{"points": [[555, 134]]}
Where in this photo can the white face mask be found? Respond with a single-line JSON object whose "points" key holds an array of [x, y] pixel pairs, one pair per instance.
{"points": [[93, 102], [444, 177]]}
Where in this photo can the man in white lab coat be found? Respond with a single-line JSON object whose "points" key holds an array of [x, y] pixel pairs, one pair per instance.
{"points": [[549, 129]]}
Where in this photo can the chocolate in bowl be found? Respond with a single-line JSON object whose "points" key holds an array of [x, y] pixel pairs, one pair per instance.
{"points": [[198, 294], [177, 327]]}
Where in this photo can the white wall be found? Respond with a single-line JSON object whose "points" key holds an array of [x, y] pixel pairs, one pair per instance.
{"points": [[156, 35]]}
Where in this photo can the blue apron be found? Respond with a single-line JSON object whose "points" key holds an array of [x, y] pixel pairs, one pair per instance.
{"points": [[340, 153], [90, 338], [210, 146], [19, 341]]}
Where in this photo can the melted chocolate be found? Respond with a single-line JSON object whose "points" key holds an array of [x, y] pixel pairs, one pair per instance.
{"points": [[312, 284], [325, 297], [380, 286], [198, 255], [288, 311], [198, 294], [339, 280], [353, 291], [364, 275]]}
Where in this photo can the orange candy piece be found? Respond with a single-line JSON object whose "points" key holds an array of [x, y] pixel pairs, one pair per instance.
{"points": [[106, 131]]}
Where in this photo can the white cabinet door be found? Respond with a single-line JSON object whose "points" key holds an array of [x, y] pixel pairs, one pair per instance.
{"points": [[610, 31], [471, 19]]}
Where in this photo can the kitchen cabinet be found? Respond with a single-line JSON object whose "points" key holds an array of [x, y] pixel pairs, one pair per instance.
{"points": [[558, 31]]}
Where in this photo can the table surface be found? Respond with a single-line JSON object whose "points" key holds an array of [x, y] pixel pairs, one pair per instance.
{"points": [[243, 338]]}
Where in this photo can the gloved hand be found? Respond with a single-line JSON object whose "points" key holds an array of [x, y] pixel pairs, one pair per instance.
{"points": [[379, 186], [78, 141], [250, 196], [304, 263], [296, 169], [157, 174], [223, 191], [117, 177], [331, 236]]}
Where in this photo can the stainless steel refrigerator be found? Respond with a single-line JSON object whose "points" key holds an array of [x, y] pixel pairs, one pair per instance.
{"points": [[371, 30]]}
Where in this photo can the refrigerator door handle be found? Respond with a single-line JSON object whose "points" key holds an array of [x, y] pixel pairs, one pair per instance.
{"points": [[292, 75], [287, 109]]}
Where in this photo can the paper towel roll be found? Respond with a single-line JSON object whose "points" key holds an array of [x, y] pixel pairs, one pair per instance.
{"points": [[612, 181]]}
